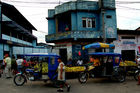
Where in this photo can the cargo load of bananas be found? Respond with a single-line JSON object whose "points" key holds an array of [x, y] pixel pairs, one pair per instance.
{"points": [[128, 63], [75, 69], [44, 67], [37, 67]]}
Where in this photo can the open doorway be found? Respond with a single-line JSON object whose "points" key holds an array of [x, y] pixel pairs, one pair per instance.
{"points": [[63, 54], [128, 55]]}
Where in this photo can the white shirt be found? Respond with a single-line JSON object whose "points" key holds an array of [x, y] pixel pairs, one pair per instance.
{"points": [[79, 62], [8, 60], [59, 71], [138, 60], [19, 61]]}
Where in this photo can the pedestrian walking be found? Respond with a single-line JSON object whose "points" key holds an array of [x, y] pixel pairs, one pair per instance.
{"points": [[61, 76], [14, 65], [7, 66], [19, 64]]}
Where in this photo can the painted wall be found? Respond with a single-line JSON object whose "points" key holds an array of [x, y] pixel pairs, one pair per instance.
{"points": [[34, 43], [28, 50], [51, 26], [1, 51], [80, 15], [67, 46], [74, 21], [76, 18], [0, 21], [126, 44], [85, 5], [110, 24]]}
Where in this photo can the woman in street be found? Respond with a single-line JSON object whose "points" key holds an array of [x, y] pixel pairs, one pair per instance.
{"points": [[14, 65], [61, 76]]}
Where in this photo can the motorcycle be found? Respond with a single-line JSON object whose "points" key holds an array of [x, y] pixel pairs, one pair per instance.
{"points": [[39, 74], [136, 74]]}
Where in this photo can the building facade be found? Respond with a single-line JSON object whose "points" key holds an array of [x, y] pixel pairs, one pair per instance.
{"points": [[128, 44], [15, 31], [77, 23]]}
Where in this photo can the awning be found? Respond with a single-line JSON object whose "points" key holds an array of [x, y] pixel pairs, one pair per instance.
{"points": [[99, 45]]}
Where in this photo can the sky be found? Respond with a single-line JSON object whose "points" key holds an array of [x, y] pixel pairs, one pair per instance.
{"points": [[36, 11]]}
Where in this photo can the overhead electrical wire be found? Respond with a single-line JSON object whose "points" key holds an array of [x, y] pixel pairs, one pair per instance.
{"points": [[130, 18], [119, 4]]}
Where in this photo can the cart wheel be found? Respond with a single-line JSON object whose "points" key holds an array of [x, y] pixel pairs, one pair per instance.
{"points": [[19, 79], [83, 77], [136, 76]]}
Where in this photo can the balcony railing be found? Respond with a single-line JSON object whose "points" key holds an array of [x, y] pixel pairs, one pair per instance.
{"points": [[6, 37], [74, 35]]}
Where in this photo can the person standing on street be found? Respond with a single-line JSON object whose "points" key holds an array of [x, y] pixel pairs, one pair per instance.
{"points": [[14, 65], [19, 64], [7, 66], [61, 76]]}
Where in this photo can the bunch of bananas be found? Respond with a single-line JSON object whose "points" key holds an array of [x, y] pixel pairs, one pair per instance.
{"points": [[44, 67], [90, 67], [128, 63], [37, 67], [75, 69]]}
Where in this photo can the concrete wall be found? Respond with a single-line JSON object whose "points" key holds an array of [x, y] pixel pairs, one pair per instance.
{"points": [[110, 24], [28, 50], [85, 5], [76, 17], [74, 21], [67, 46], [127, 44], [0, 22], [80, 15], [51, 26], [1, 51]]}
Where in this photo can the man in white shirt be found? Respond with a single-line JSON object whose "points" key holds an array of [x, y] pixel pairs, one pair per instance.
{"points": [[61, 76], [19, 64], [8, 66]]}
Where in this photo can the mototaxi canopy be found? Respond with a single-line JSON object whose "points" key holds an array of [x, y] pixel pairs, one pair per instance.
{"points": [[99, 45]]}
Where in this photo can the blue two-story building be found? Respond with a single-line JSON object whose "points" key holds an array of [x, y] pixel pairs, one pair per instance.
{"points": [[77, 23]]}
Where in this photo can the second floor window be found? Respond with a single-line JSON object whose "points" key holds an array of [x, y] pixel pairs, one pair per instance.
{"points": [[88, 22]]}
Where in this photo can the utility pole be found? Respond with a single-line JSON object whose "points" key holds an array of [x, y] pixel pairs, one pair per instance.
{"points": [[103, 25], [101, 5]]}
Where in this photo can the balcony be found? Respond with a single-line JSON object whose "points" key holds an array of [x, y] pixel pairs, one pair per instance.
{"points": [[74, 35], [85, 5], [6, 37]]}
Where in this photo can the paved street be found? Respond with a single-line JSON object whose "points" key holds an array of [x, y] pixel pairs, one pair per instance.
{"points": [[92, 86]]}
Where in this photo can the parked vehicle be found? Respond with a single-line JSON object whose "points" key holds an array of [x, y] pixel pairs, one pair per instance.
{"points": [[109, 67], [109, 64], [43, 69]]}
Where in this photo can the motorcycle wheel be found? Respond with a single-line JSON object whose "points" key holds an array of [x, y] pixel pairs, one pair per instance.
{"points": [[136, 76], [82, 78], [19, 79], [121, 77]]}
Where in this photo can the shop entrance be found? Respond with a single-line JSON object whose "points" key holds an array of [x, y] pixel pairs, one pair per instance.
{"points": [[63, 54], [128, 55]]}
